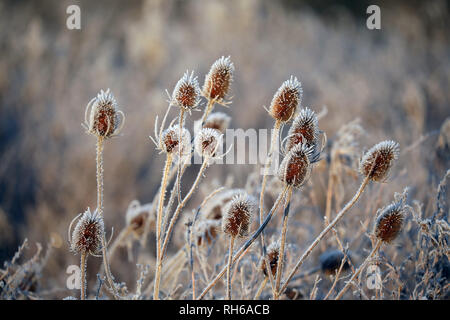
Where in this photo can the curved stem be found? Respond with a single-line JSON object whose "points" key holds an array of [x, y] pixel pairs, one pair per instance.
{"points": [[246, 245], [325, 231], [358, 271], [282, 245], [180, 206], [159, 217], [208, 110], [83, 283], [230, 256]]}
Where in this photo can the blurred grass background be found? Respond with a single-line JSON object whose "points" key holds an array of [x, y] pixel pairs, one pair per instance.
{"points": [[395, 79]]}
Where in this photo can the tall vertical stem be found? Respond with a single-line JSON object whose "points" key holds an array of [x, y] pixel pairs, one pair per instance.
{"points": [[230, 256], [83, 282]]}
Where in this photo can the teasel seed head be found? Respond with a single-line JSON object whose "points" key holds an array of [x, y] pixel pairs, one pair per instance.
{"points": [[331, 260], [272, 255], [304, 129], [296, 166], [389, 222], [238, 215], [377, 162], [216, 120], [105, 119], [136, 217], [170, 140], [87, 234], [206, 231], [207, 142], [286, 100], [186, 94], [218, 80]]}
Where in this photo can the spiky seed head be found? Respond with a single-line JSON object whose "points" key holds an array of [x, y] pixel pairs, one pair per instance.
{"points": [[87, 234], [104, 120], [207, 142], [216, 120], [304, 129], [218, 80], [389, 222], [377, 162], [331, 260], [186, 93], [206, 231], [272, 256], [170, 140], [286, 100], [295, 168], [238, 215]]}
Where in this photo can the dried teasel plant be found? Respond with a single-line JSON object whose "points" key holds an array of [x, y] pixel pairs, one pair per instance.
{"points": [[304, 129], [272, 257], [217, 84], [374, 166], [388, 224], [86, 239], [236, 223], [216, 120]]}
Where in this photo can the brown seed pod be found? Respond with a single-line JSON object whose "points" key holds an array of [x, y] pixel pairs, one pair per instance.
{"points": [[295, 168], [238, 215], [186, 94], [217, 120], [206, 231], [218, 80], [207, 142], [136, 217], [377, 162], [389, 222], [88, 233], [272, 255], [286, 100], [169, 142], [104, 120], [330, 261], [304, 129]]}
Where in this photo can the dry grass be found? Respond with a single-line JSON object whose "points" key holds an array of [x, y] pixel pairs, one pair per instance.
{"points": [[376, 85]]}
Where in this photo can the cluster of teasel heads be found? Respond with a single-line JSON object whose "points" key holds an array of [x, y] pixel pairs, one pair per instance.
{"points": [[301, 149]]}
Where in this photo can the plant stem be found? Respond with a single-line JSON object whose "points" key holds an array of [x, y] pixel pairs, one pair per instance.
{"points": [[180, 146], [230, 256], [261, 288], [83, 283], [358, 271], [325, 231], [208, 110], [159, 214], [247, 244], [283, 244], [180, 206]]}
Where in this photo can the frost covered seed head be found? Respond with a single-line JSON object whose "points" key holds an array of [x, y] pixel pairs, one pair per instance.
{"points": [[331, 260], [296, 166], [170, 140], [286, 100], [104, 120], [207, 142], [218, 80], [186, 94], [218, 120], [377, 162], [273, 253], [88, 233], [304, 129], [206, 231], [389, 222], [238, 215]]}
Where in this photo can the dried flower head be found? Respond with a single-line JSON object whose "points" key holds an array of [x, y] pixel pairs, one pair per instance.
{"points": [[136, 217], [206, 231], [330, 261], [88, 233], [286, 100], [304, 129], [105, 120], [377, 162], [207, 142], [169, 142], [218, 80], [295, 168], [238, 215], [214, 209], [273, 252], [217, 120], [186, 94], [389, 222]]}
